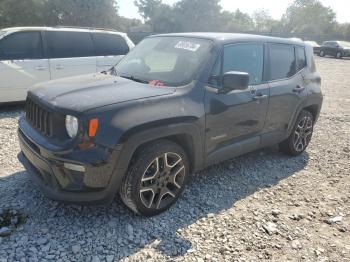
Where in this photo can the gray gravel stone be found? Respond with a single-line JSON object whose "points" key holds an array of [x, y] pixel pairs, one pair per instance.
{"points": [[76, 249], [95, 259], [5, 231], [109, 258], [270, 228]]}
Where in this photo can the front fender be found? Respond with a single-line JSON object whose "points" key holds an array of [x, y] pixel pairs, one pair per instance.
{"points": [[195, 143]]}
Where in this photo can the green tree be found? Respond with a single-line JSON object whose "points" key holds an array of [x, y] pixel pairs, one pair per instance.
{"points": [[198, 15], [309, 17], [236, 22], [97, 13], [161, 17], [21, 12], [263, 21]]}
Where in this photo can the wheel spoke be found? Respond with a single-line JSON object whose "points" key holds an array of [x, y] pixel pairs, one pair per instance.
{"points": [[148, 178], [303, 122], [300, 145], [308, 133], [163, 192], [174, 176], [167, 164], [144, 190]]}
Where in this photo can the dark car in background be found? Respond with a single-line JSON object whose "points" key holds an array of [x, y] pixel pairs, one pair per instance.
{"points": [[337, 49], [316, 47], [174, 105]]}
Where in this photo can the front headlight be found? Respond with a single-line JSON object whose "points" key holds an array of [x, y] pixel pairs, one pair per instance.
{"points": [[72, 125]]}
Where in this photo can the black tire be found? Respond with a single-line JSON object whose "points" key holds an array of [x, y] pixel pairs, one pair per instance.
{"points": [[322, 53], [300, 136], [148, 180], [339, 55]]}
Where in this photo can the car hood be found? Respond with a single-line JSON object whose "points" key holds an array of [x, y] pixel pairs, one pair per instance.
{"points": [[82, 93]]}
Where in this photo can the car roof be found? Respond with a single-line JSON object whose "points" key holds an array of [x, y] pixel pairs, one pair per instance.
{"points": [[59, 28], [232, 37]]}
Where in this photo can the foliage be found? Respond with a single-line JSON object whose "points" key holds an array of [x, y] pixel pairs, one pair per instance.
{"points": [[20, 12], [309, 16], [86, 13], [302, 17]]}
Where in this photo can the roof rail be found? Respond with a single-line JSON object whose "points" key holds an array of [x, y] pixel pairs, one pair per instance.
{"points": [[90, 28]]}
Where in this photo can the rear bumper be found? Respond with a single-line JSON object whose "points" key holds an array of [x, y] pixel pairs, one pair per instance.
{"points": [[96, 182]]}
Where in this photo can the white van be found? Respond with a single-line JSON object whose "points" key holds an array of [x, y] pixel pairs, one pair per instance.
{"points": [[29, 55]]}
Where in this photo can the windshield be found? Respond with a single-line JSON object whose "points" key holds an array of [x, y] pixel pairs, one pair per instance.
{"points": [[344, 44], [169, 61]]}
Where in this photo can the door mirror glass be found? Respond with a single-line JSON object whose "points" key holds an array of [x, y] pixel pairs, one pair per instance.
{"points": [[234, 81]]}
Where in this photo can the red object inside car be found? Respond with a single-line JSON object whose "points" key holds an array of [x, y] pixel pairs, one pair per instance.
{"points": [[156, 83]]}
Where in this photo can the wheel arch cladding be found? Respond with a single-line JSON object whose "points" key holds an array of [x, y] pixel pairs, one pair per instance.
{"points": [[314, 110], [187, 136]]}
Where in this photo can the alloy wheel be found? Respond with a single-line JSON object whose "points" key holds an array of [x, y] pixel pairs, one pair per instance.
{"points": [[303, 133], [162, 180]]}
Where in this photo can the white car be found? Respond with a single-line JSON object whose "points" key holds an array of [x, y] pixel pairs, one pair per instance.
{"points": [[29, 55]]}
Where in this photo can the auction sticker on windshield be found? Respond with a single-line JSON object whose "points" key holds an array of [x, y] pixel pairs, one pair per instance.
{"points": [[188, 46]]}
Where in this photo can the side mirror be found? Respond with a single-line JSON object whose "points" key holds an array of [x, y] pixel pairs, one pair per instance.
{"points": [[234, 81]]}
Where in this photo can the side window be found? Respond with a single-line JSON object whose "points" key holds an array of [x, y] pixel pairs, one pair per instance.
{"points": [[69, 44], [247, 58], [301, 57], [24, 45], [109, 44], [282, 62]]}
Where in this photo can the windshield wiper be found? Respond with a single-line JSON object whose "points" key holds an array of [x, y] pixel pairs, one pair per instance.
{"points": [[135, 79]]}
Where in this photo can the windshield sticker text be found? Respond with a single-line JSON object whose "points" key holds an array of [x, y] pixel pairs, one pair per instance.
{"points": [[188, 46]]}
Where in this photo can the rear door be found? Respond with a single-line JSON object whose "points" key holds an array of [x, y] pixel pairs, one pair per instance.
{"points": [[287, 88], [22, 64], [110, 48], [240, 114], [71, 53]]}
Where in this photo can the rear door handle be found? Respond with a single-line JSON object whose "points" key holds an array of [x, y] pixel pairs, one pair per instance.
{"points": [[298, 89], [40, 68]]}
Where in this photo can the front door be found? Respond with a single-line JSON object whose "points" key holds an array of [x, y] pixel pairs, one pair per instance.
{"points": [[21, 65], [236, 117]]}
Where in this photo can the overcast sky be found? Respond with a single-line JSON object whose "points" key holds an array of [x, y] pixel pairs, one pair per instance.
{"points": [[275, 7]]}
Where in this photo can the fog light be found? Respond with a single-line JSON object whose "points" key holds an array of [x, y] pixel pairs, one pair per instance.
{"points": [[74, 167]]}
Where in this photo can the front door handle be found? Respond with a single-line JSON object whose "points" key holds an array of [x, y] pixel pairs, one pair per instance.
{"points": [[259, 97], [59, 67], [298, 89]]}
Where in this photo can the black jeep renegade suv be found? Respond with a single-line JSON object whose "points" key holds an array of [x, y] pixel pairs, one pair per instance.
{"points": [[175, 104]]}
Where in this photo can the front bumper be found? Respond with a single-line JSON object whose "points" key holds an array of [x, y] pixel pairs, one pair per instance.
{"points": [[97, 182]]}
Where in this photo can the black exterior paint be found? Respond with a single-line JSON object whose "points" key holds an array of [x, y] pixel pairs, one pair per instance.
{"points": [[211, 126], [332, 48]]}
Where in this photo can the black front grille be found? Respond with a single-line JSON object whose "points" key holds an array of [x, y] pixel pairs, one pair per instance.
{"points": [[38, 117]]}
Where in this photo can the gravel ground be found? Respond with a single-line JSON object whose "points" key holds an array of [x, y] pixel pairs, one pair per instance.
{"points": [[261, 206]]}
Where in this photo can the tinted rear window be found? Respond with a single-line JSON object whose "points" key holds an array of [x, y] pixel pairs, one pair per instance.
{"points": [[24, 45], [69, 44], [109, 44], [301, 58], [282, 61]]}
